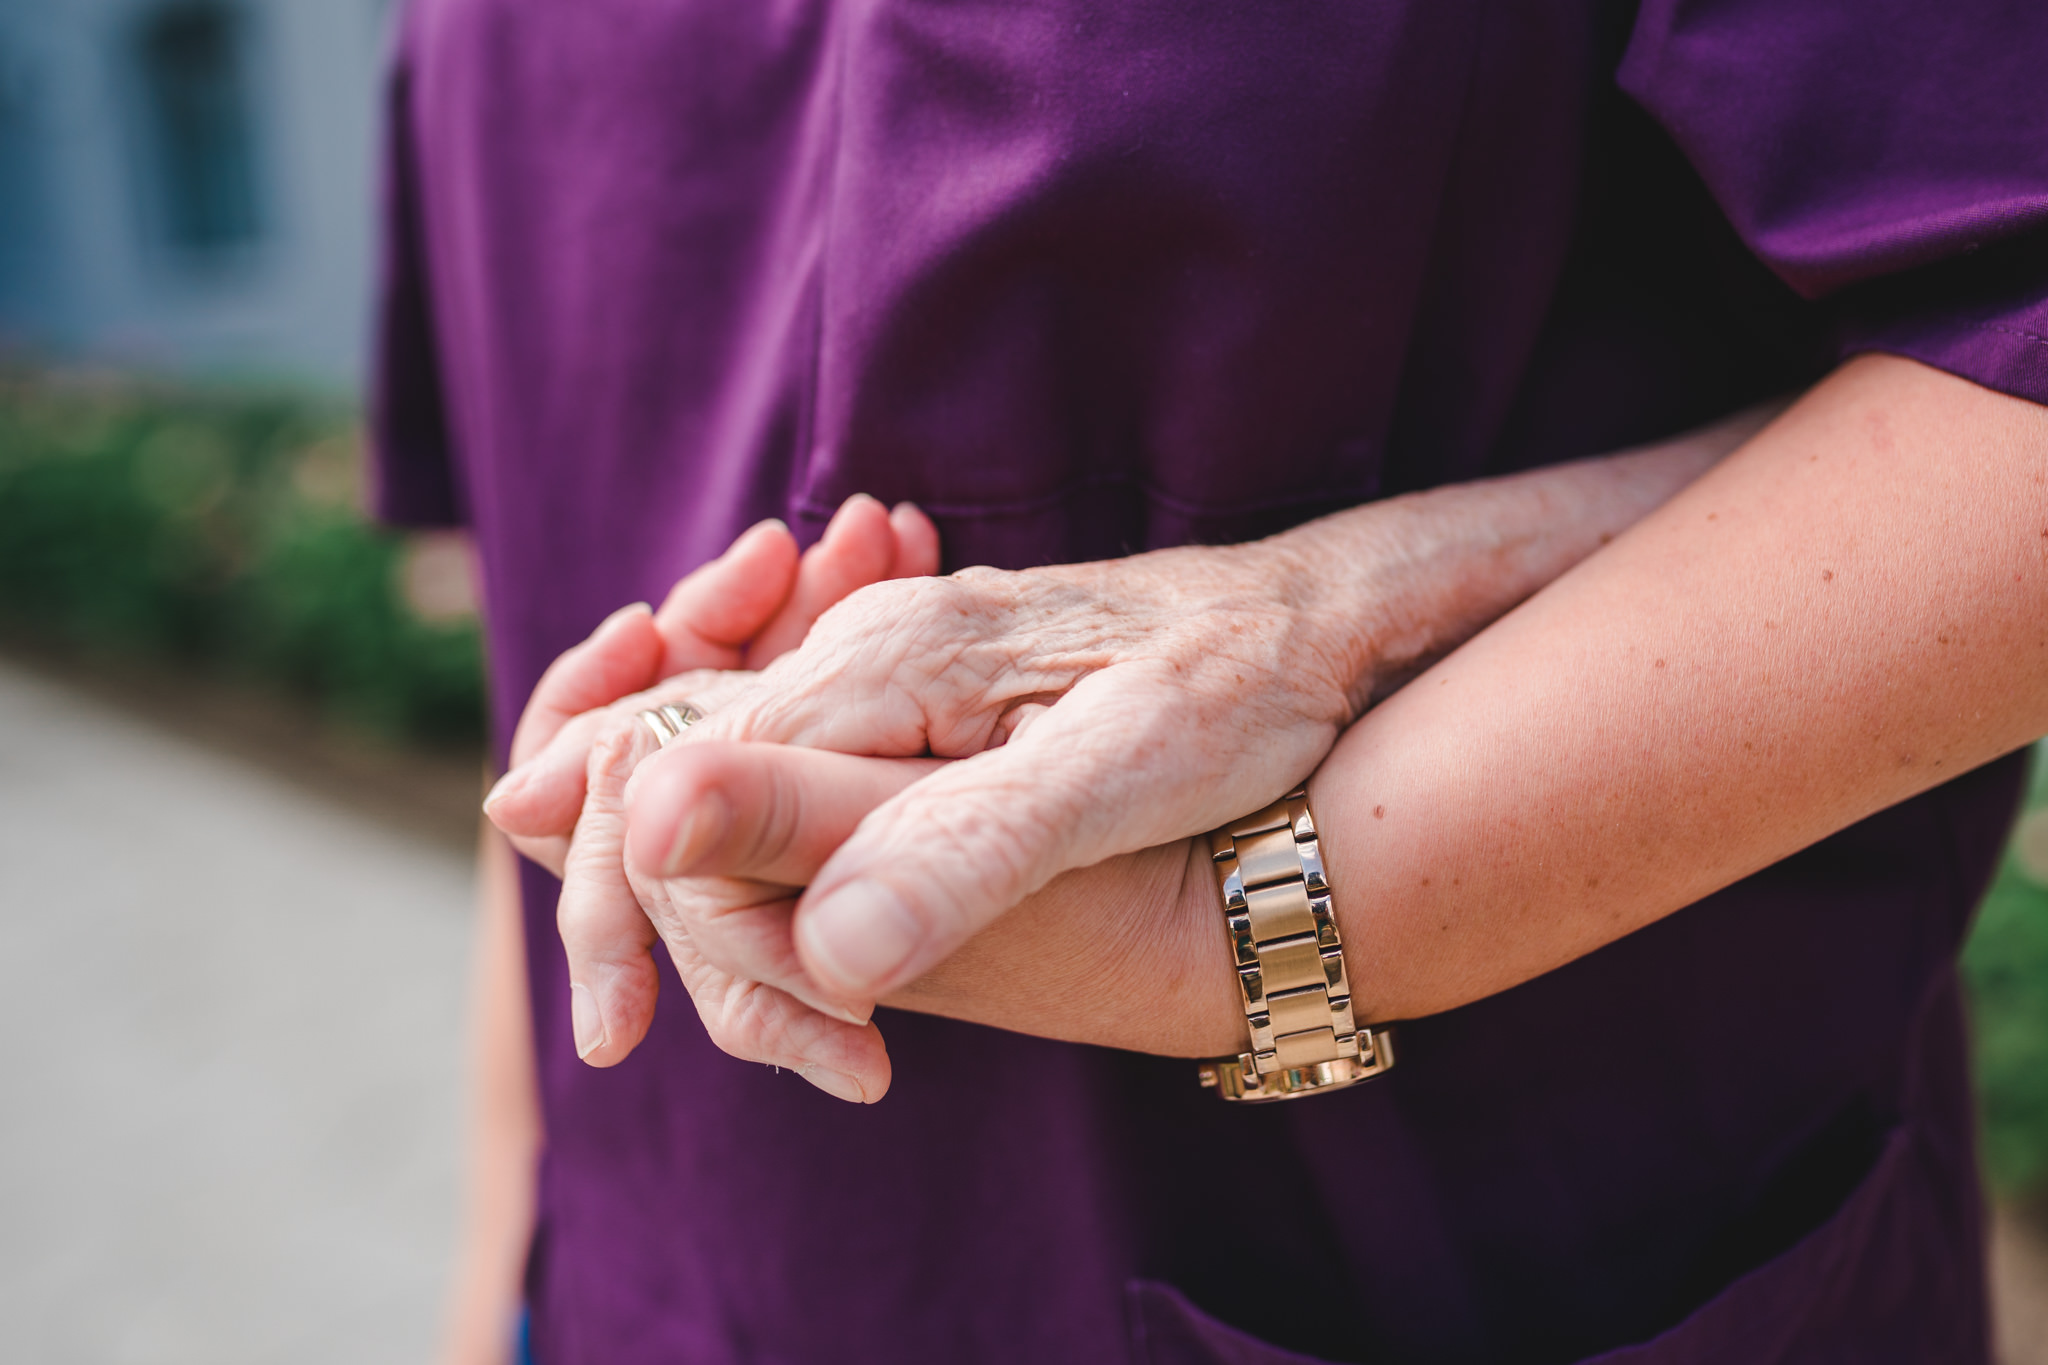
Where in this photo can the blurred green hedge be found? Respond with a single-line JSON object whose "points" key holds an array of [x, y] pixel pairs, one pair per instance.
{"points": [[223, 529], [226, 530], [2006, 966]]}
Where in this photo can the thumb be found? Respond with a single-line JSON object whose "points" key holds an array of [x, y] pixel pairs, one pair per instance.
{"points": [[930, 867]]}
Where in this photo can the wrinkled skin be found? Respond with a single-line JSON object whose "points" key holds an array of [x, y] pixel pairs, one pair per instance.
{"points": [[1145, 653], [1096, 717], [1055, 965], [1095, 709], [562, 802]]}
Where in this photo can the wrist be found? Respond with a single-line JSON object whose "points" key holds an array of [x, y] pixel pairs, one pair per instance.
{"points": [[1290, 963], [1390, 587], [1128, 953], [1366, 591], [1205, 1008]]}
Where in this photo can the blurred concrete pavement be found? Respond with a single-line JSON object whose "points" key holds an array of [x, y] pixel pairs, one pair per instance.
{"points": [[230, 1026]]}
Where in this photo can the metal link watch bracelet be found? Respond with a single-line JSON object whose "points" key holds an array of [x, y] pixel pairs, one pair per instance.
{"points": [[1290, 963]]}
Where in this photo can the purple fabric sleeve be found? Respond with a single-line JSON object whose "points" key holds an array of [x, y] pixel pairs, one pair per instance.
{"points": [[412, 479], [1875, 155]]}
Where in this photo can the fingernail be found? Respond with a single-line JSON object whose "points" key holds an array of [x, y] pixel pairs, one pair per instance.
{"points": [[859, 936], [702, 828], [585, 1020], [837, 1084], [845, 1014], [505, 787]]}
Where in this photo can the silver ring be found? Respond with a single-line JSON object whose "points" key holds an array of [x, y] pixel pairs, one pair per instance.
{"points": [[670, 720]]}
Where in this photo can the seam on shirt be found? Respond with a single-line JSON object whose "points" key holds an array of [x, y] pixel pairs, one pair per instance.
{"points": [[802, 457], [2034, 337]]}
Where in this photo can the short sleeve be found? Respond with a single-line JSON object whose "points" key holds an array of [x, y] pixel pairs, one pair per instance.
{"points": [[412, 474], [1887, 157]]}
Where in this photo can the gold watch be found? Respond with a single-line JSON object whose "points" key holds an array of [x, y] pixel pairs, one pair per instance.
{"points": [[1290, 963]]}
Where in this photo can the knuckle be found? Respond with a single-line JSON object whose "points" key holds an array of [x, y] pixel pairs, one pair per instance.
{"points": [[741, 1023], [664, 904], [691, 685], [612, 754], [856, 621], [916, 603], [679, 909], [781, 816], [993, 841], [731, 1041]]}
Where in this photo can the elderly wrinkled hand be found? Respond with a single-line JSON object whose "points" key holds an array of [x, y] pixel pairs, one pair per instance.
{"points": [[1019, 759], [723, 837], [1094, 710], [1100, 709], [736, 613], [1190, 643]]}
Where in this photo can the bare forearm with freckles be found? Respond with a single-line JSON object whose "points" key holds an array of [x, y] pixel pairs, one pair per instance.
{"points": [[1846, 612], [1850, 609]]}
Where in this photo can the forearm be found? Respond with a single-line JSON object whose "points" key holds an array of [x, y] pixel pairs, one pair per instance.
{"points": [[1114, 709], [1849, 610], [505, 1133], [1411, 578], [1392, 585]]}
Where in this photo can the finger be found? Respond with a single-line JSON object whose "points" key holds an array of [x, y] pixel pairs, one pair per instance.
{"points": [[743, 929], [540, 799], [620, 656], [605, 935], [761, 1024], [549, 851], [917, 542], [915, 666], [708, 617], [731, 830], [943, 858], [765, 812], [705, 620], [1017, 720], [857, 549]]}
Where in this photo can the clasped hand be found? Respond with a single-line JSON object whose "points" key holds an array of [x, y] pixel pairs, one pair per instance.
{"points": [[852, 823], [976, 795]]}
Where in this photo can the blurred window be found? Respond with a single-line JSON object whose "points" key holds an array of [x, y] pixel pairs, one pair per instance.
{"points": [[200, 126], [23, 206]]}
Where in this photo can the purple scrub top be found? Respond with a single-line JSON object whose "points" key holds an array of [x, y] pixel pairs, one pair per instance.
{"points": [[1085, 278]]}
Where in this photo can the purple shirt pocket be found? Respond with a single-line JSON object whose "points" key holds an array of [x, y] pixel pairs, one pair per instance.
{"points": [[1851, 1289]]}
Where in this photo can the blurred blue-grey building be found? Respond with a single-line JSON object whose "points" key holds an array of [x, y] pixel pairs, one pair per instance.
{"points": [[186, 185]]}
